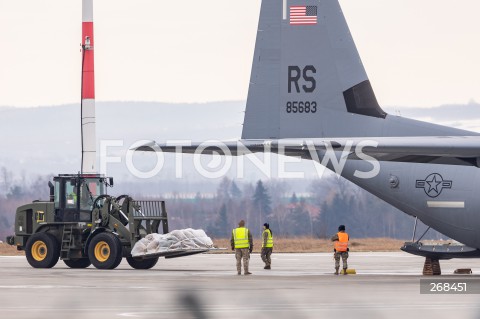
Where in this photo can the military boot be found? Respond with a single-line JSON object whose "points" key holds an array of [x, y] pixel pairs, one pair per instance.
{"points": [[344, 271], [336, 270]]}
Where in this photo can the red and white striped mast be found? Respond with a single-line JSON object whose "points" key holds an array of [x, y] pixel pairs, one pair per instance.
{"points": [[88, 91]]}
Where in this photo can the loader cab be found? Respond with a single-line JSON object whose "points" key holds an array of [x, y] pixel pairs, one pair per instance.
{"points": [[74, 196]]}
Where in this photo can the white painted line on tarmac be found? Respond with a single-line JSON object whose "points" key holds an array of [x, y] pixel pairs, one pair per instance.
{"points": [[57, 309], [67, 287], [37, 287], [284, 259], [372, 254], [302, 308]]}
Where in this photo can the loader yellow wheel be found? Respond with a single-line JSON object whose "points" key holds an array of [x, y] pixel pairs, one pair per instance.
{"points": [[105, 251], [39, 250], [42, 250], [102, 251]]}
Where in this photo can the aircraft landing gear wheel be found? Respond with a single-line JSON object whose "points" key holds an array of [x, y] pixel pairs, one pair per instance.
{"points": [[105, 251], [78, 263], [42, 250], [139, 263]]}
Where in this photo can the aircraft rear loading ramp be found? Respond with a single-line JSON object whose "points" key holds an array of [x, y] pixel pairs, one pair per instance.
{"points": [[440, 252], [434, 253]]}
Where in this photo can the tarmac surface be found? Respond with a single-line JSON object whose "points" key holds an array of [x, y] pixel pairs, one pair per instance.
{"points": [[387, 285]]}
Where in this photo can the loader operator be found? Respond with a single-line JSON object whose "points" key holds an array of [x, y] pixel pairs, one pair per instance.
{"points": [[242, 243], [341, 249], [72, 197]]}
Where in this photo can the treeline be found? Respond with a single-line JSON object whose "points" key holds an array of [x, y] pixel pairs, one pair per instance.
{"points": [[317, 213], [329, 203]]}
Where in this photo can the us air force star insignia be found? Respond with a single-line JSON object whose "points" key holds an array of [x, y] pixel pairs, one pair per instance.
{"points": [[433, 185]]}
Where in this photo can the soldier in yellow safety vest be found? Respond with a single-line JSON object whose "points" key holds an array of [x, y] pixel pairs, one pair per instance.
{"points": [[267, 246], [341, 249], [242, 243]]}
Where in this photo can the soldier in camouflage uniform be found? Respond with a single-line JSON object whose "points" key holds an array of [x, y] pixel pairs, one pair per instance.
{"points": [[267, 246], [341, 249], [242, 243]]}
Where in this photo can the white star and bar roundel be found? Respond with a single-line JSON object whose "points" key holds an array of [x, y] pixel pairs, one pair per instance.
{"points": [[433, 185]]}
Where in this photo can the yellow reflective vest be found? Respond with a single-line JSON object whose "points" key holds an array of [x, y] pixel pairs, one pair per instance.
{"points": [[269, 239], [240, 237]]}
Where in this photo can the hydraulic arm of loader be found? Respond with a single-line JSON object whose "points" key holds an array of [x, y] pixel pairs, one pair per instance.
{"points": [[130, 219]]}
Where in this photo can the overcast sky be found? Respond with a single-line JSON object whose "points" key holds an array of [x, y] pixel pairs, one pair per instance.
{"points": [[416, 52]]}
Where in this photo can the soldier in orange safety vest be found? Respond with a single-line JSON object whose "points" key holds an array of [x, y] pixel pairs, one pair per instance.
{"points": [[340, 240]]}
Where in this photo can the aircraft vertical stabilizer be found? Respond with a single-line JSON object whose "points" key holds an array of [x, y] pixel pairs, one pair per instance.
{"points": [[308, 80]]}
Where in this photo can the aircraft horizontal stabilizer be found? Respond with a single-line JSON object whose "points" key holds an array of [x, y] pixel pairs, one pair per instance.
{"points": [[235, 148], [452, 150]]}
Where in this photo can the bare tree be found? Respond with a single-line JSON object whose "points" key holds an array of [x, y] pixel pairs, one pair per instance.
{"points": [[6, 177]]}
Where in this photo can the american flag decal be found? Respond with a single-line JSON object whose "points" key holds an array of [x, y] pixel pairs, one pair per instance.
{"points": [[303, 15]]}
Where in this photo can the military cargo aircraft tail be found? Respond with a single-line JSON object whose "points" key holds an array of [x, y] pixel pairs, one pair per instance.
{"points": [[309, 97]]}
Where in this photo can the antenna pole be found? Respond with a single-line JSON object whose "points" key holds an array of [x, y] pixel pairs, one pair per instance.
{"points": [[88, 91]]}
